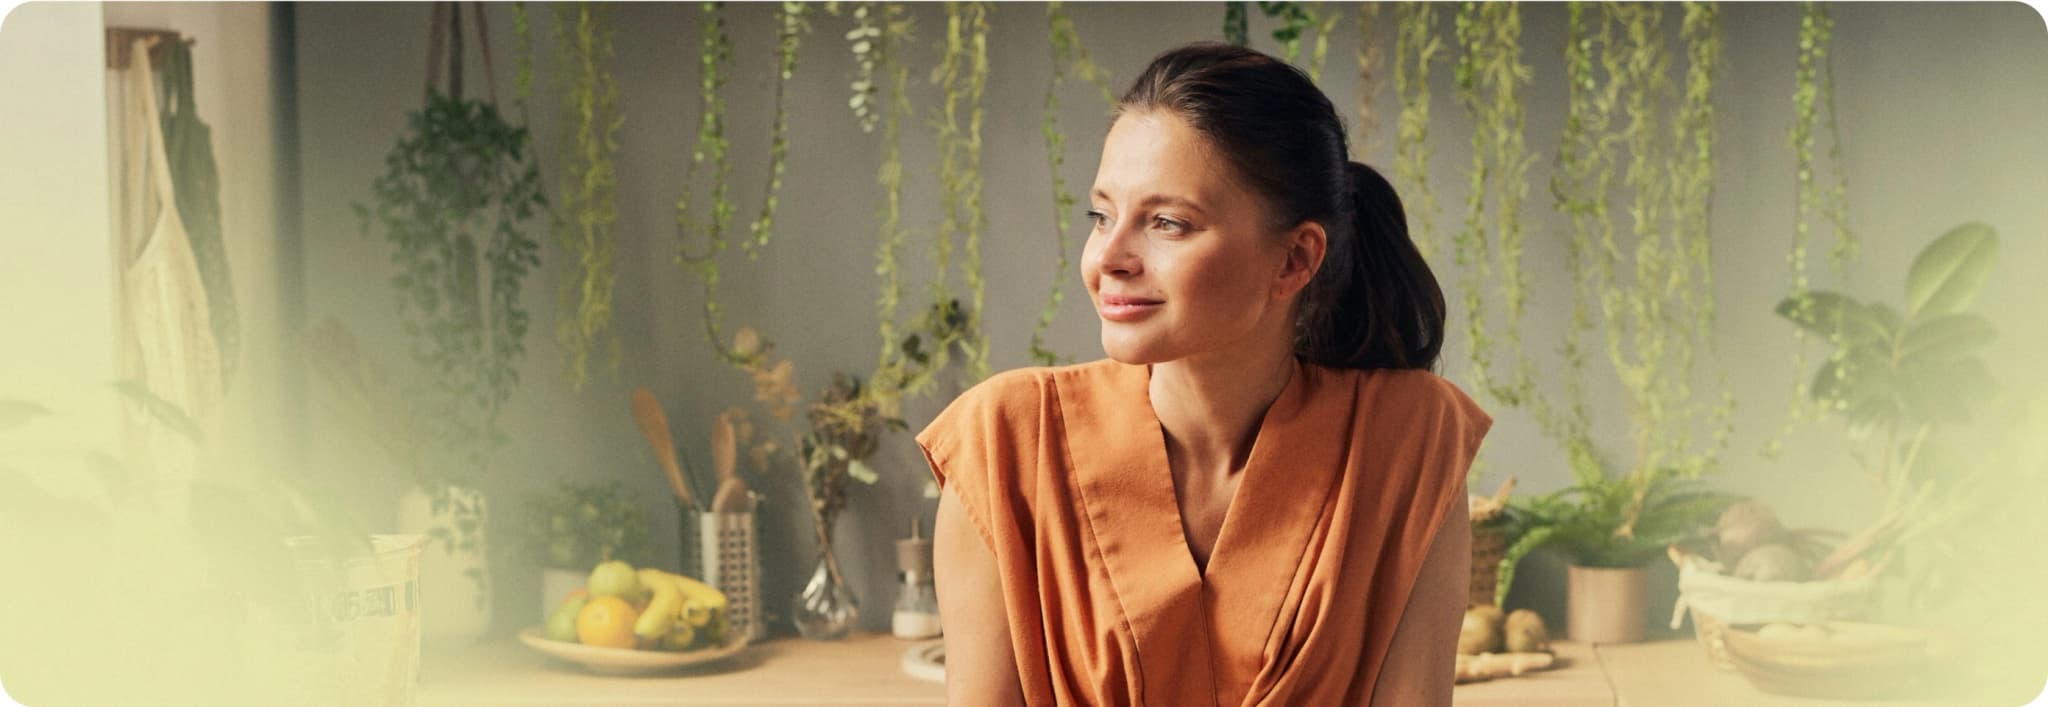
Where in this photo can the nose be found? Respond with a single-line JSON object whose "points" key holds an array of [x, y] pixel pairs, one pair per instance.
{"points": [[1118, 253]]}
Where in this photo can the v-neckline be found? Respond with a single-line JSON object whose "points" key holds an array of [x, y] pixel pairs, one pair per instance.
{"points": [[1222, 617], [1260, 439]]}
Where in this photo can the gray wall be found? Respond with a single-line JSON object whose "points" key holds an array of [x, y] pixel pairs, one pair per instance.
{"points": [[1939, 109]]}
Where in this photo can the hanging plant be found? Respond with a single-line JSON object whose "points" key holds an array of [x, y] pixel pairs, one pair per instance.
{"points": [[865, 40], [962, 76], [1368, 79], [453, 203], [1069, 58], [789, 36], [584, 226], [1650, 333], [522, 59], [1415, 48], [1814, 81], [715, 57], [1580, 187], [893, 34], [1489, 73], [1236, 24]]}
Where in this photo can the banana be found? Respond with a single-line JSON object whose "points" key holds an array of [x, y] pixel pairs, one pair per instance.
{"points": [[659, 620], [703, 608]]}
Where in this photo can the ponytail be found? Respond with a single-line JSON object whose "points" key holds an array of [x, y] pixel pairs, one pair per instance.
{"points": [[1375, 303]]}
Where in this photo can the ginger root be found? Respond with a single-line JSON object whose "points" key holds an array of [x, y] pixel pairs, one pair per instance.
{"points": [[1487, 666]]}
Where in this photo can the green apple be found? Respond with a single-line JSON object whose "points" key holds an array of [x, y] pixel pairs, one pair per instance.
{"points": [[562, 625], [616, 578]]}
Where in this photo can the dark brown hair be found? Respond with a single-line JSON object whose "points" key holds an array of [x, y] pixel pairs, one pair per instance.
{"points": [[1374, 303]]}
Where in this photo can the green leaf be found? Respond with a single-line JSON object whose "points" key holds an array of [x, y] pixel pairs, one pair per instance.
{"points": [[1826, 313], [1947, 336], [15, 413], [1512, 557], [1946, 275]]}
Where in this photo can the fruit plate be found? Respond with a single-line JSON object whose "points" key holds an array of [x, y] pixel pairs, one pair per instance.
{"points": [[626, 661]]}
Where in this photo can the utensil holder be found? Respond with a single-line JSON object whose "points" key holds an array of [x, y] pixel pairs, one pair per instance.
{"points": [[724, 551]]}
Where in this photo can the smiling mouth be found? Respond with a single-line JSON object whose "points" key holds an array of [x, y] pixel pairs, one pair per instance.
{"points": [[1129, 310]]}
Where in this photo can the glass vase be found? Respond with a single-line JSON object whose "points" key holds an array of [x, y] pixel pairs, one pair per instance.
{"points": [[827, 609]]}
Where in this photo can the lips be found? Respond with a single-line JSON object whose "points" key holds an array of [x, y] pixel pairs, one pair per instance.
{"points": [[1127, 309]]}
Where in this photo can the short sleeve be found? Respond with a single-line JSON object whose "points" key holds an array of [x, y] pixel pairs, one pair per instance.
{"points": [[977, 444]]}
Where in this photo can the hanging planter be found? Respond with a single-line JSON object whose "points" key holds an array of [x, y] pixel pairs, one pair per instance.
{"points": [[458, 192]]}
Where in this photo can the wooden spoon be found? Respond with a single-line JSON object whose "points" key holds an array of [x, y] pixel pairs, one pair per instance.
{"points": [[732, 496], [654, 426]]}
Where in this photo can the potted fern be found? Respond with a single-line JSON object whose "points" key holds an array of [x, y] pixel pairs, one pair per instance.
{"points": [[1610, 527]]}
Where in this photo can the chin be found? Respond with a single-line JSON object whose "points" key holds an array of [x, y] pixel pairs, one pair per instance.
{"points": [[1131, 348]]}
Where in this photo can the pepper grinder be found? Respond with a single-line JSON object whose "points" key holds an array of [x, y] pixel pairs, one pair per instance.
{"points": [[917, 599]]}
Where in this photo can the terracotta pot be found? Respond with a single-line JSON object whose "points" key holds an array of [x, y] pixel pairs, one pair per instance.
{"points": [[1607, 605]]}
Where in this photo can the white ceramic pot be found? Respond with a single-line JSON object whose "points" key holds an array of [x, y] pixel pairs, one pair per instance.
{"points": [[455, 587], [555, 584]]}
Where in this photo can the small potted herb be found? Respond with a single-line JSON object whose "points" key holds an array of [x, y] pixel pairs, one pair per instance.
{"points": [[569, 531]]}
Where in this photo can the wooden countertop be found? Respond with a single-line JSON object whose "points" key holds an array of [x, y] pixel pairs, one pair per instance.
{"points": [[866, 670]]}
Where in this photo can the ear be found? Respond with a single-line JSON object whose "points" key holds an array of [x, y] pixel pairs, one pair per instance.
{"points": [[1306, 244]]}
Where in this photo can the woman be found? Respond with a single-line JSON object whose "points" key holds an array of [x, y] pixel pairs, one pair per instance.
{"points": [[1258, 498]]}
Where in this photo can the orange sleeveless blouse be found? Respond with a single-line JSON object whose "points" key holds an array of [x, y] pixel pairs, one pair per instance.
{"points": [[1064, 473]]}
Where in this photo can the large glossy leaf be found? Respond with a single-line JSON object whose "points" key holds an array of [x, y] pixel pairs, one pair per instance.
{"points": [[1943, 391], [1946, 275], [1825, 313], [1947, 337]]}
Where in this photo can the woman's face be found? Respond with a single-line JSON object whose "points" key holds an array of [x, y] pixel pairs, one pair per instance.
{"points": [[1180, 261]]}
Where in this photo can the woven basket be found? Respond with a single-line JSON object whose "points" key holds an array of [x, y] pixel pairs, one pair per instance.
{"points": [[1489, 545], [1716, 601]]}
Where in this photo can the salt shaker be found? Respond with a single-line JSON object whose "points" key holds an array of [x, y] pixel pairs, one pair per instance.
{"points": [[917, 600]]}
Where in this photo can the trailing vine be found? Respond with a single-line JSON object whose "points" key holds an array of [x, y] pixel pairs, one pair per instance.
{"points": [[1068, 57], [894, 369], [962, 76], [1415, 48], [1814, 91], [522, 59], [866, 40], [1650, 328], [714, 59], [1368, 54], [789, 37], [1236, 23], [584, 227], [1488, 73], [1580, 187]]}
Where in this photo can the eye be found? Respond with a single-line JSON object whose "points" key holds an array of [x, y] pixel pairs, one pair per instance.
{"points": [[1098, 218], [1166, 224]]}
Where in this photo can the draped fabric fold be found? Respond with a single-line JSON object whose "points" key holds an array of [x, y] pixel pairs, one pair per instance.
{"points": [[1064, 471]]}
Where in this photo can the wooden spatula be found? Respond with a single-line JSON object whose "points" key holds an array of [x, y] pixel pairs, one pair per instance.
{"points": [[732, 496], [654, 426]]}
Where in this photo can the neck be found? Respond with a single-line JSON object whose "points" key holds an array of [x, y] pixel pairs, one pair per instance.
{"points": [[1210, 406]]}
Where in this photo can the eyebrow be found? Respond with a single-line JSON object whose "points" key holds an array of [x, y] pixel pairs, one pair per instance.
{"points": [[1158, 199]]}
